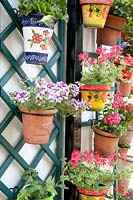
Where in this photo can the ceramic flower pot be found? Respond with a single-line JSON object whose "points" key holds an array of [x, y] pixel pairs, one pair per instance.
{"points": [[124, 163], [37, 39], [37, 125], [125, 88], [105, 143], [95, 12], [95, 95], [87, 194], [110, 33]]}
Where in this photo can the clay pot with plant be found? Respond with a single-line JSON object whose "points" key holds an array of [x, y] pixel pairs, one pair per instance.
{"points": [[39, 103], [93, 174], [98, 74], [119, 12], [113, 122]]}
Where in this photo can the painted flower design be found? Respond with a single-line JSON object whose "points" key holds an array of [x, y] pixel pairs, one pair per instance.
{"points": [[43, 40]]}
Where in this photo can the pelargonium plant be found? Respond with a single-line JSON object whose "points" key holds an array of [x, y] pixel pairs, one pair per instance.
{"points": [[116, 116], [89, 170], [42, 96], [106, 67], [128, 70]]}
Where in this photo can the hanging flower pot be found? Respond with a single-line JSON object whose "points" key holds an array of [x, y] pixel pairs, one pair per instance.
{"points": [[37, 125], [95, 12], [89, 194], [95, 94], [37, 39], [123, 184], [110, 33], [127, 138], [125, 88], [105, 143]]}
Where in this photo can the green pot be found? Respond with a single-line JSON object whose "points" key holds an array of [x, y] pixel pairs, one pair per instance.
{"points": [[48, 198]]}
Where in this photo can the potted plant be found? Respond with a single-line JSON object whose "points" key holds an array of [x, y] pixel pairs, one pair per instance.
{"points": [[95, 12], [38, 19], [98, 74], [125, 83], [34, 188], [40, 102], [119, 12], [123, 148], [113, 122], [93, 174]]}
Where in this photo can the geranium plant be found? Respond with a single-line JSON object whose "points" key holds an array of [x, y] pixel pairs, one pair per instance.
{"points": [[88, 170], [44, 96], [128, 70], [101, 69], [116, 116], [106, 67]]}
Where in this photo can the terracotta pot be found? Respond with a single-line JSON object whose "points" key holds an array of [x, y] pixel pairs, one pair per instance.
{"points": [[125, 88], [95, 95], [105, 143], [110, 33], [37, 125], [127, 138], [87, 194], [123, 152], [123, 185]]}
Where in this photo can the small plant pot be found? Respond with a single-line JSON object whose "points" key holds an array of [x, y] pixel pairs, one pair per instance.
{"points": [[105, 143], [110, 33], [123, 185], [95, 95], [37, 125], [37, 39], [89, 194], [125, 88], [95, 12]]}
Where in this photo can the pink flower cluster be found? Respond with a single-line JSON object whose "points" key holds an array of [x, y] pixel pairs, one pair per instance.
{"points": [[105, 55], [129, 59], [112, 119], [118, 101], [90, 157]]}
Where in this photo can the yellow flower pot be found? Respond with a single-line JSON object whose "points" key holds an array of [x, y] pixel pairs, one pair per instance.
{"points": [[95, 12], [95, 95]]}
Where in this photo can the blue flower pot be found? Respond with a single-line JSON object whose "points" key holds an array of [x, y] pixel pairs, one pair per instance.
{"points": [[37, 39]]}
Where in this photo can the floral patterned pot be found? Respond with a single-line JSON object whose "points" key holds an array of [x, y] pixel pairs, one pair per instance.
{"points": [[37, 39], [95, 12], [89, 194], [95, 95]]}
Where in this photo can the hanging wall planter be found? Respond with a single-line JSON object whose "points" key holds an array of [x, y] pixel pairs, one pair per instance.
{"points": [[37, 125], [123, 184], [95, 94], [110, 33], [105, 143], [37, 39], [95, 12], [98, 194]]}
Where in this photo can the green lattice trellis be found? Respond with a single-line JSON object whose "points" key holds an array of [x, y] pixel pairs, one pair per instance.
{"points": [[58, 58]]}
